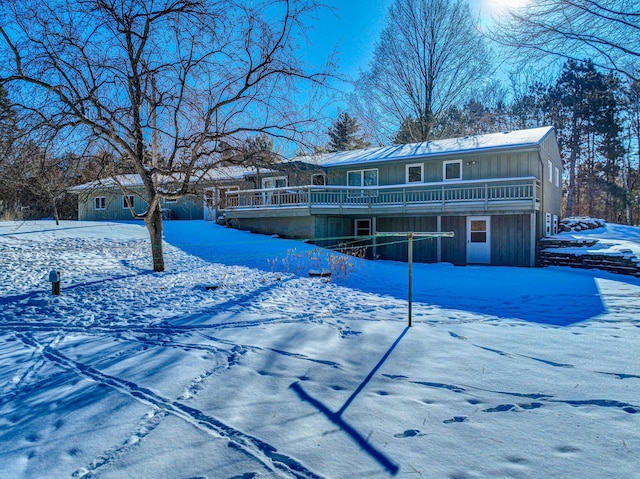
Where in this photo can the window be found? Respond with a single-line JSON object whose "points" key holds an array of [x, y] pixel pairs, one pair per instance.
{"points": [[362, 178], [415, 173], [354, 178], [318, 179], [452, 170], [550, 167], [100, 203], [127, 201], [275, 182], [478, 231], [362, 227], [557, 177]]}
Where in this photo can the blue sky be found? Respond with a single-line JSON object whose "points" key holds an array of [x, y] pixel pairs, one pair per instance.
{"points": [[353, 27]]}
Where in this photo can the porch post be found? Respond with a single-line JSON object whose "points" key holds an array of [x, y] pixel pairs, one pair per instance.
{"points": [[532, 259], [374, 240], [439, 239]]}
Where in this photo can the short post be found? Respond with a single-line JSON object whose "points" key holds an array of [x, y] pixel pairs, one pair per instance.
{"points": [[410, 261], [54, 279]]}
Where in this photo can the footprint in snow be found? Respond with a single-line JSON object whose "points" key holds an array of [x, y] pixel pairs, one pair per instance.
{"points": [[408, 433], [567, 449], [514, 407], [395, 376], [501, 408], [457, 336], [455, 419]]}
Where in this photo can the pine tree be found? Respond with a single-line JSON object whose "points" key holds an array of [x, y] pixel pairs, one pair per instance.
{"points": [[344, 134], [583, 107], [8, 124]]}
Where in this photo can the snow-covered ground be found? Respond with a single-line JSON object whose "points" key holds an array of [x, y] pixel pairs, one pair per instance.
{"points": [[506, 373]]}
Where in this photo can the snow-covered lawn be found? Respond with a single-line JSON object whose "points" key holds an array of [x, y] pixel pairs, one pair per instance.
{"points": [[506, 373]]}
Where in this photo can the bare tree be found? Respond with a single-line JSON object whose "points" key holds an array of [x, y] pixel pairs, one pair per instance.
{"points": [[160, 83], [429, 57], [605, 31]]}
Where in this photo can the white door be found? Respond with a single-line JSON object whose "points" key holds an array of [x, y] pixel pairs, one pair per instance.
{"points": [[479, 239]]}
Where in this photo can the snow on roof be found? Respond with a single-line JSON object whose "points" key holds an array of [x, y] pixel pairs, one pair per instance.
{"points": [[492, 141], [133, 180]]}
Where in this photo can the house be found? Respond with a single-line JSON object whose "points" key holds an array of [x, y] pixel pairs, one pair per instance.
{"points": [[109, 198], [498, 193]]}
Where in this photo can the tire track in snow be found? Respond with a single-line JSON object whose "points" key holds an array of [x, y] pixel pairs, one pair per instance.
{"points": [[263, 452]]}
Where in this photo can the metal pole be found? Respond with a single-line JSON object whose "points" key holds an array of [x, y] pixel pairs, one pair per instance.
{"points": [[410, 261]]}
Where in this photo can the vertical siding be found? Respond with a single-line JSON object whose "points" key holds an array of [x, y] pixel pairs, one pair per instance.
{"points": [[500, 165], [333, 231], [339, 227], [454, 250], [113, 206], [432, 171], [511, 240], [187, 208], [292, 227], [329, 229], [507, 164], [395, 248], [552, 194]]}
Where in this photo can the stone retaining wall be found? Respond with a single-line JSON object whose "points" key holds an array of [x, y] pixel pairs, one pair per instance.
{"points": [[623, 263]]}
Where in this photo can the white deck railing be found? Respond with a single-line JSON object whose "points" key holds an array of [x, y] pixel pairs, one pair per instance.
{"points": [[478, 192]]}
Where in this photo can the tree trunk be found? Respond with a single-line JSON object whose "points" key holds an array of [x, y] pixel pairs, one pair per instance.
{"points": [[153, 221], [572, 185], [56, 216], [626, 172]]}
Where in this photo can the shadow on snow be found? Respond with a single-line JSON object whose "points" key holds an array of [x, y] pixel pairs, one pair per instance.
{"points": [[552, 296], [336, 417]]}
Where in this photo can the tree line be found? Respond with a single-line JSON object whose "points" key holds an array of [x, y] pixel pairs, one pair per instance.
{"points": [[596, 115], [432, 77]]}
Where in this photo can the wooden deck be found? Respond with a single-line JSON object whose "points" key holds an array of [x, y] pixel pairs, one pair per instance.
{"points": [[504, 195]]}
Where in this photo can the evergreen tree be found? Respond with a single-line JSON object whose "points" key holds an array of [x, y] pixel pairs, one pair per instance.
{"points": [[450, 124], [631, 169], [584, 108], [527, 109], [344, 134], [408, 131], [8, 125]]}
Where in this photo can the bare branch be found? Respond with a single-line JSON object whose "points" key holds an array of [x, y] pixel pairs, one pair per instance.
{"points": [[161, 83]]}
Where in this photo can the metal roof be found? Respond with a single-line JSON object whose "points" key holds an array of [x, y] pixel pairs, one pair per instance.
{"points": [[133, 180], [476, 143]]}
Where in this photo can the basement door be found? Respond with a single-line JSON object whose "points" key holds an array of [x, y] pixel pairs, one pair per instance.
{"points": [[479, 239]]}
